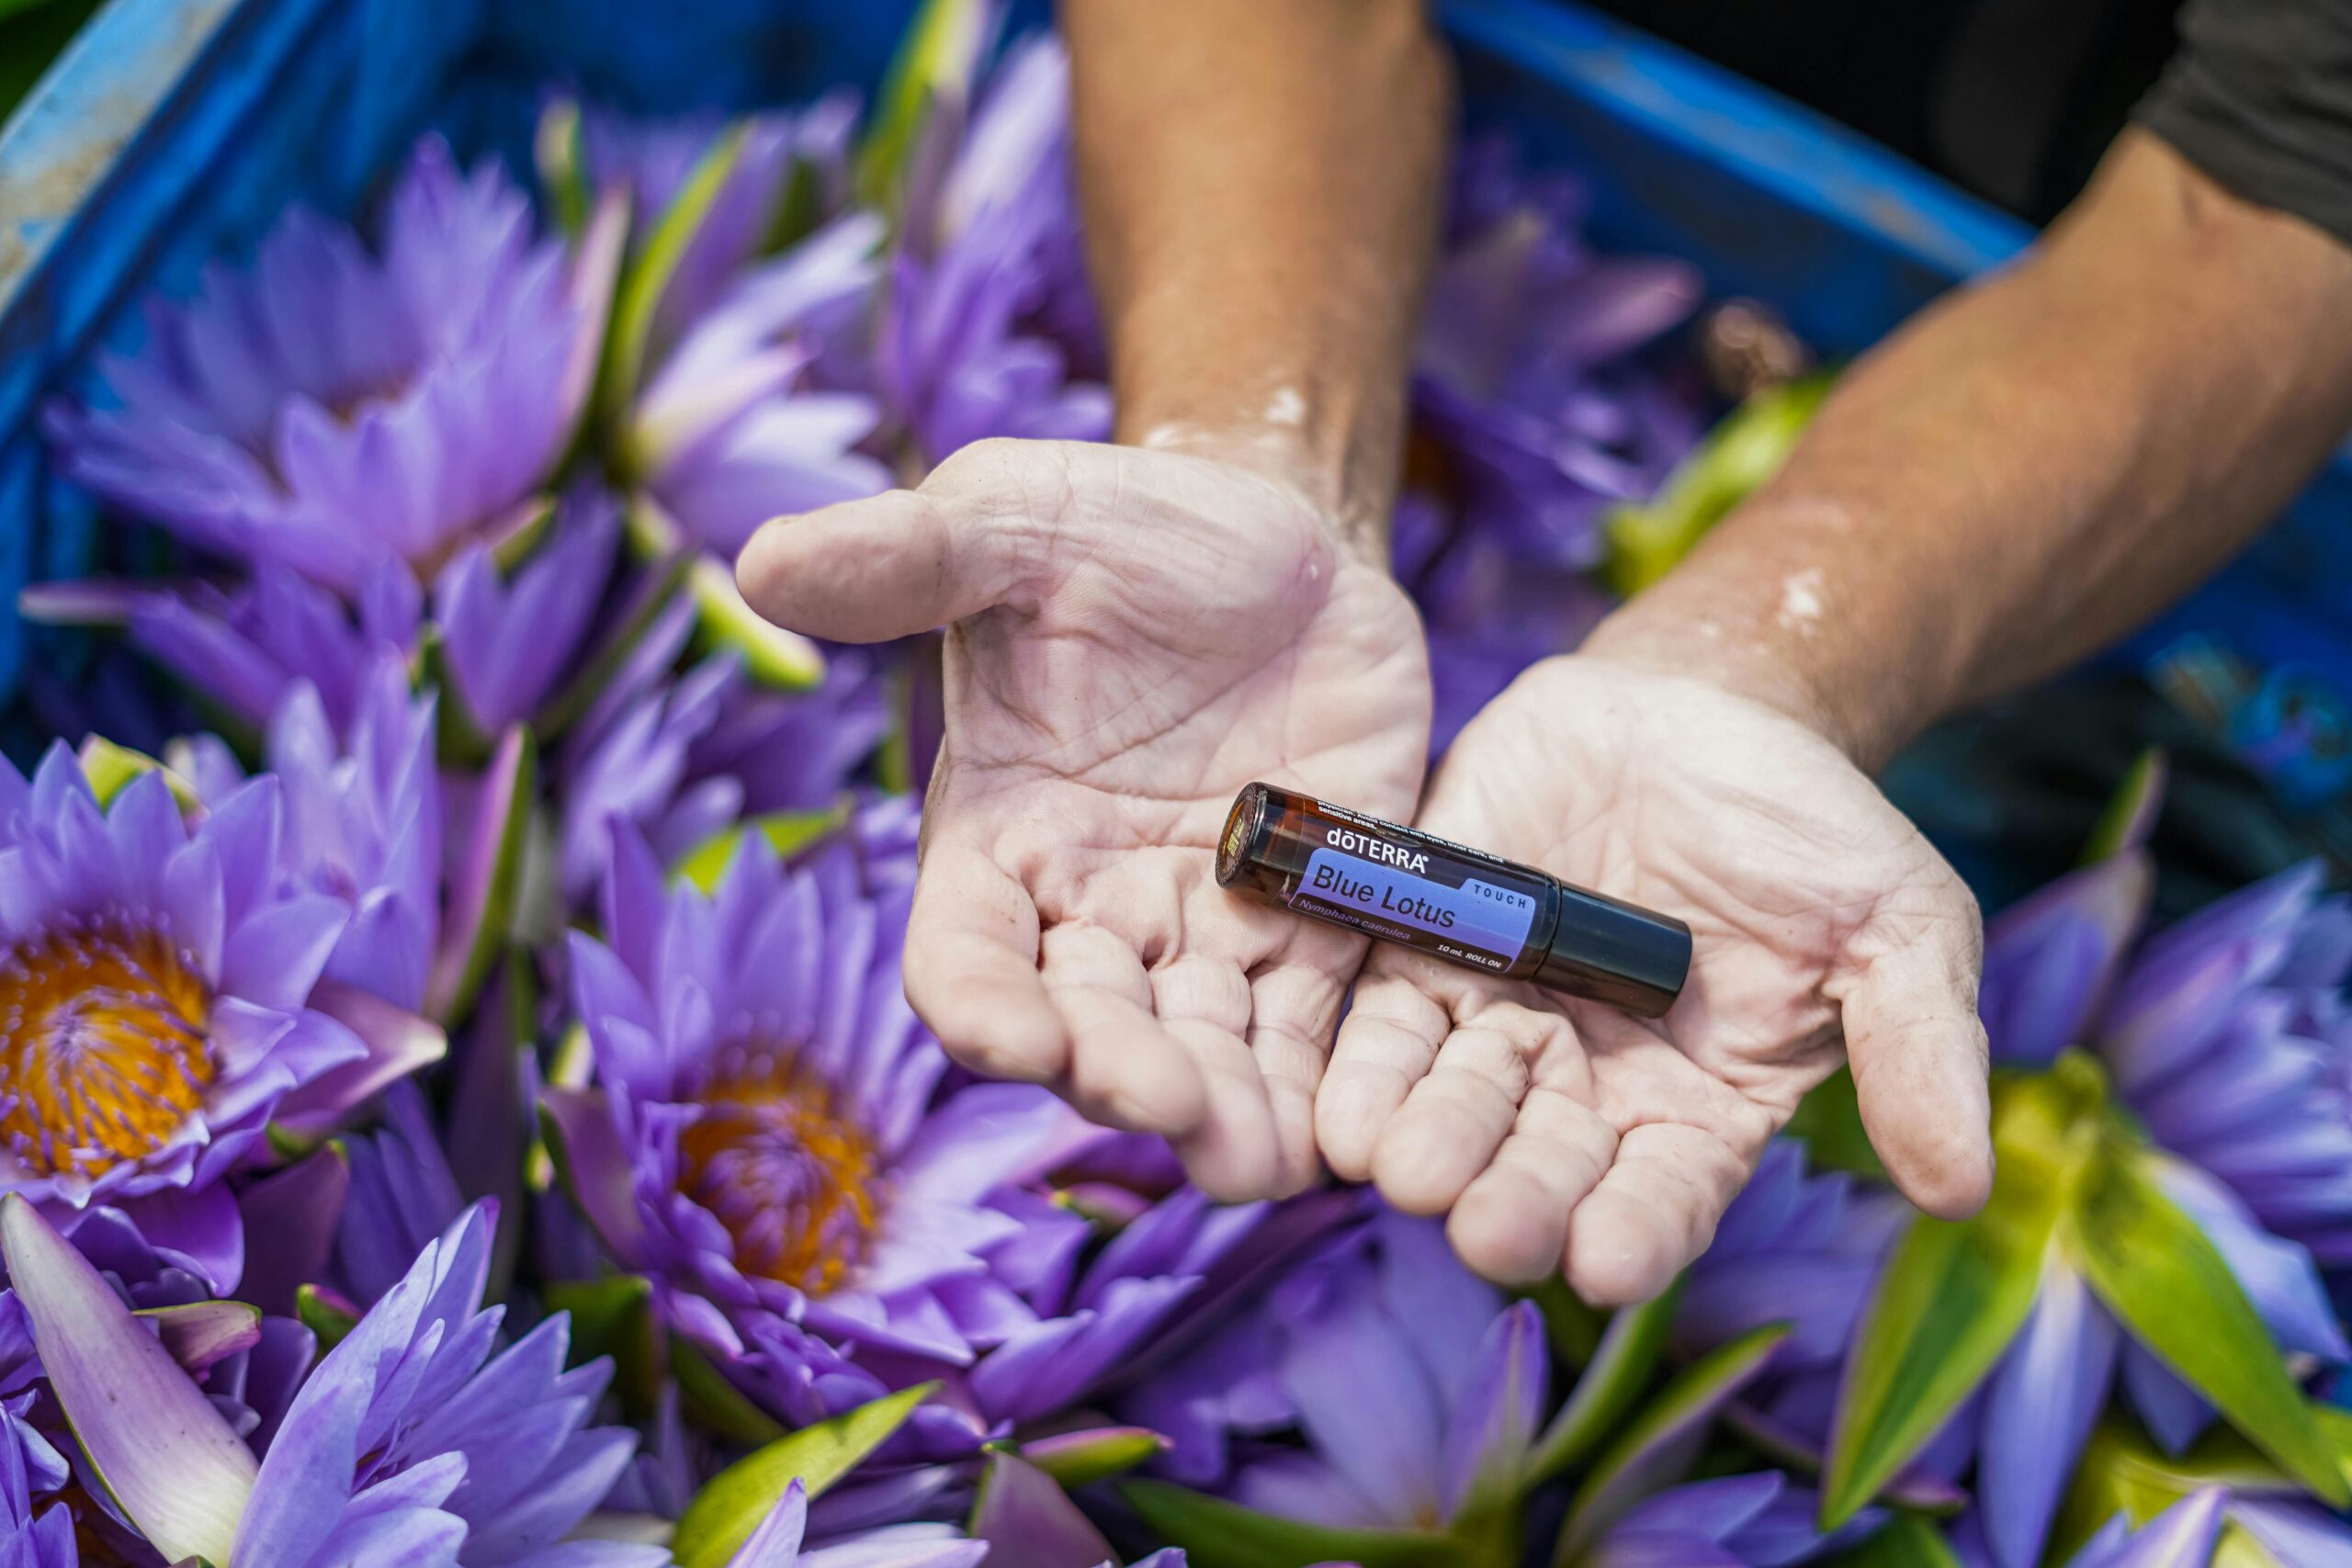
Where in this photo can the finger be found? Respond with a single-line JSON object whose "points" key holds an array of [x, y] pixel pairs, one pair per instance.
{"points": [[1456, 1117], [1918, 1054], [971, 968], [1230, 1154], [888, 566], [1205, 1003], [1511, 1225], [1124, 1069], [1653, 1212], [1384, 1046], [1292, 1007]]}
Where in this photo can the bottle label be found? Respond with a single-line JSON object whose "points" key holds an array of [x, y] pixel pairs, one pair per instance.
{"points": [[1418, 896]]}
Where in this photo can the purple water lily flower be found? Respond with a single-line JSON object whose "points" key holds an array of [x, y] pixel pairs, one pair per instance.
{"points": [[1408, 1387], [2228, 1033], [416, 1439], [361, 824], [158, 1011], [799, 155], [332, 409], [510, 639], [684, 760], [633, 769], [764, 1141], [505, 639], [733, 426], [798, 752], [778, 1144], [401, 1195], [241, 648], [1807, 1250], [979, 336], [1530, 421]]}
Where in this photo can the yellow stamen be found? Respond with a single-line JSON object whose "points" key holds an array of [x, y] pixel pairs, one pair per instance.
{"points": [[793, 1181], [103, 1049]]}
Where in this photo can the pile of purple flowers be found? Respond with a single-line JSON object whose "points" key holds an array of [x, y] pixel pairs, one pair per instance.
{"points": [[464, 1110]]}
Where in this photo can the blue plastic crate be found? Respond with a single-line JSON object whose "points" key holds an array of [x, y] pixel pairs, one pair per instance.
{"points": [[174, 129]]}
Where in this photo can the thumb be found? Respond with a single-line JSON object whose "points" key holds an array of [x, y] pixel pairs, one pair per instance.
{"points": [[888, 566], [1918, 1052]]}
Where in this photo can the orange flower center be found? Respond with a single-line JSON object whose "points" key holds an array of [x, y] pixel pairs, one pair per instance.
{"points": [[102, 1050], [793, 1181]]}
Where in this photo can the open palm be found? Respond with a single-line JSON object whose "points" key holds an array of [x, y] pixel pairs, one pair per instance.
{"points": [[1133, 635], [1563, 1134]]}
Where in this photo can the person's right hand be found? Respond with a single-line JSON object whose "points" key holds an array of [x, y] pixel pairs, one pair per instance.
{"points": [[1564, 1134], [1133, 635]]}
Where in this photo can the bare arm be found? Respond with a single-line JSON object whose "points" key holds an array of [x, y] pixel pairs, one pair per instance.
{"points": [[1261, 185], [2029, 471], [1138, 630]]}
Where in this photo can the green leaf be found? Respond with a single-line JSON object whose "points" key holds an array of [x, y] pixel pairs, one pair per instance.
{"points": [[788, 833], [724, 1513], [939, 54], [1648, 1453], [563, 172], [329, 1319], [2131, 814], [1743, 451], [458, 739], [715, 1403], [1097, 1453], [1218, 1534], [2123, 1473], [1609, 1388], [2159, 1273], [111, 768], [1907, 1541], [523, 530], [482, 892], [612, 1316], [656, 263], [1954, 1294], [1573, 1327], [1829, 1120], [771, 656], [648, 598]]}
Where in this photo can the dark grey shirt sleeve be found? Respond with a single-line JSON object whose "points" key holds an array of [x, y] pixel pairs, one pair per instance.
{"points": [[2260, 98]]}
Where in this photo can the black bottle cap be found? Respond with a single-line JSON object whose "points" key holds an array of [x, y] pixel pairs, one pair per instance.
{"points": [[1631, 958]]}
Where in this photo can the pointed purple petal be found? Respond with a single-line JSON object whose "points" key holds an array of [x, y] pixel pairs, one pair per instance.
{"points": [[2038, 1413], [1023, 1515], [597, 1166], [164, 1453], [298, 1209], [398, 1043], [1492, 1424]]}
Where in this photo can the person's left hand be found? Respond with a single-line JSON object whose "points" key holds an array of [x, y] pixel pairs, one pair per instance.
{"points": [[1566, 1134]]}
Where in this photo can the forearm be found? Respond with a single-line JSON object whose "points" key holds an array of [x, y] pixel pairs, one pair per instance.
{"points": [[2030, 470], [1261, 185]]}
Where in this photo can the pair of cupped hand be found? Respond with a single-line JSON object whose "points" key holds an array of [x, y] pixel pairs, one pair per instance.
{"points": [[1134, 633]]}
